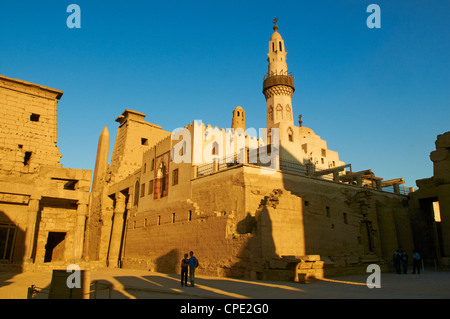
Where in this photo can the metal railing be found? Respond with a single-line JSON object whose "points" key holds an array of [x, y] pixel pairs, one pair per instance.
{"points": [[295, 167], [205, 169], [403, 189]]}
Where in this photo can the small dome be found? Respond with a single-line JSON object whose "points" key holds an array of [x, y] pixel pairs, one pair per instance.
{"points": [[276, 36], [306, 130]]}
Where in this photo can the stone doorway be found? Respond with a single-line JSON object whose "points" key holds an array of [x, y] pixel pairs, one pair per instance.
{"points": [[431, 236], [54, 249]]}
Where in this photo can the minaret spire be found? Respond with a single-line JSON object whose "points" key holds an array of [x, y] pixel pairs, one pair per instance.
{"points": [[278, 85]]}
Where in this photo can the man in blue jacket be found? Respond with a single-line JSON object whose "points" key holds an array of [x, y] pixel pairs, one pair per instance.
{"points": [[193, 264]]}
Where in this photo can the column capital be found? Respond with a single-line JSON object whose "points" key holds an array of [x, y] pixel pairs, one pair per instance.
{"points": [[120, 207], [33, 204]]}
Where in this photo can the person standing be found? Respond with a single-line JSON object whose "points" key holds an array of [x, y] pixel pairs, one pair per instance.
{"points": [[397, 259], [416, 262], [405, 262], [193, 264], [184, 270]]}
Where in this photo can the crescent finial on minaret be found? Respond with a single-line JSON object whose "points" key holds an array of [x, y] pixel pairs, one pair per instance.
{"points": [[274, 21]]}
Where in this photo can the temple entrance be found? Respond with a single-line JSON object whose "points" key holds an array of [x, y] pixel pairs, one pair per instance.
{"points": [[437, 220], [54, 249], [430, 244]]}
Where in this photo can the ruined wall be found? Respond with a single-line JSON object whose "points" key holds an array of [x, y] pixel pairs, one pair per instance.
{"points": [[134, 137], [157, 238], [432, 236], [28, 127], [38, 196], [347, 224], [238, 221]]}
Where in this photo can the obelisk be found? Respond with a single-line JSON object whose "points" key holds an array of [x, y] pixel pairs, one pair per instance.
{"points": [[101, 161]]}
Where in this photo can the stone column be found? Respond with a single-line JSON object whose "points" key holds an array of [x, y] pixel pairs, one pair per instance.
{"points": [[396, 188], [79, 231], [107, 210], [310, 169], [359, 180], [33, 209], [378, 183], [117, 230], [336, 176]]}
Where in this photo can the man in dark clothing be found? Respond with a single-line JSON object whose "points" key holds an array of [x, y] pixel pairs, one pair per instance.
{"points": [[397, 260], [416, 262], [405, 262], [184, 270]]}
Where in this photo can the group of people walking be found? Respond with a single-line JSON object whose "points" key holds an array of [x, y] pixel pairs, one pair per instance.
{"points": [[188, 264], [400, 259]]}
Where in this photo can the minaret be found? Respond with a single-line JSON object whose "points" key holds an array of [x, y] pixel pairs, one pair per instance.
{"points": [[238, 120], [278, 85]]}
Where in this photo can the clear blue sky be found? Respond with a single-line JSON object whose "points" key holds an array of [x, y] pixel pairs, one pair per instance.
{"points": [[377, 96]]}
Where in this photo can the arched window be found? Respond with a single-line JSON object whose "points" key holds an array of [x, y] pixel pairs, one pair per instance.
{"points": [[182, 150], [215, 149], [273, 46], [281, 46], [288, 112], [270, 113], [290, 135], [279, 112]]}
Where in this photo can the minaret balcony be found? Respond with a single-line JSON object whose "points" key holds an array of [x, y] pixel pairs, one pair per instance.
{"points": [[286, 79]]}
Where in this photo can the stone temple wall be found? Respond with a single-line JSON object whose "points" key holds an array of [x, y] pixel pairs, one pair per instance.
{"points": [[240, 223]]}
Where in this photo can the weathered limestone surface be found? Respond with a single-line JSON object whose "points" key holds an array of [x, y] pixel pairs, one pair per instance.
{"points": [[19, 101], [43, 206], [251, 228], [242, 219], [431, 234]]}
